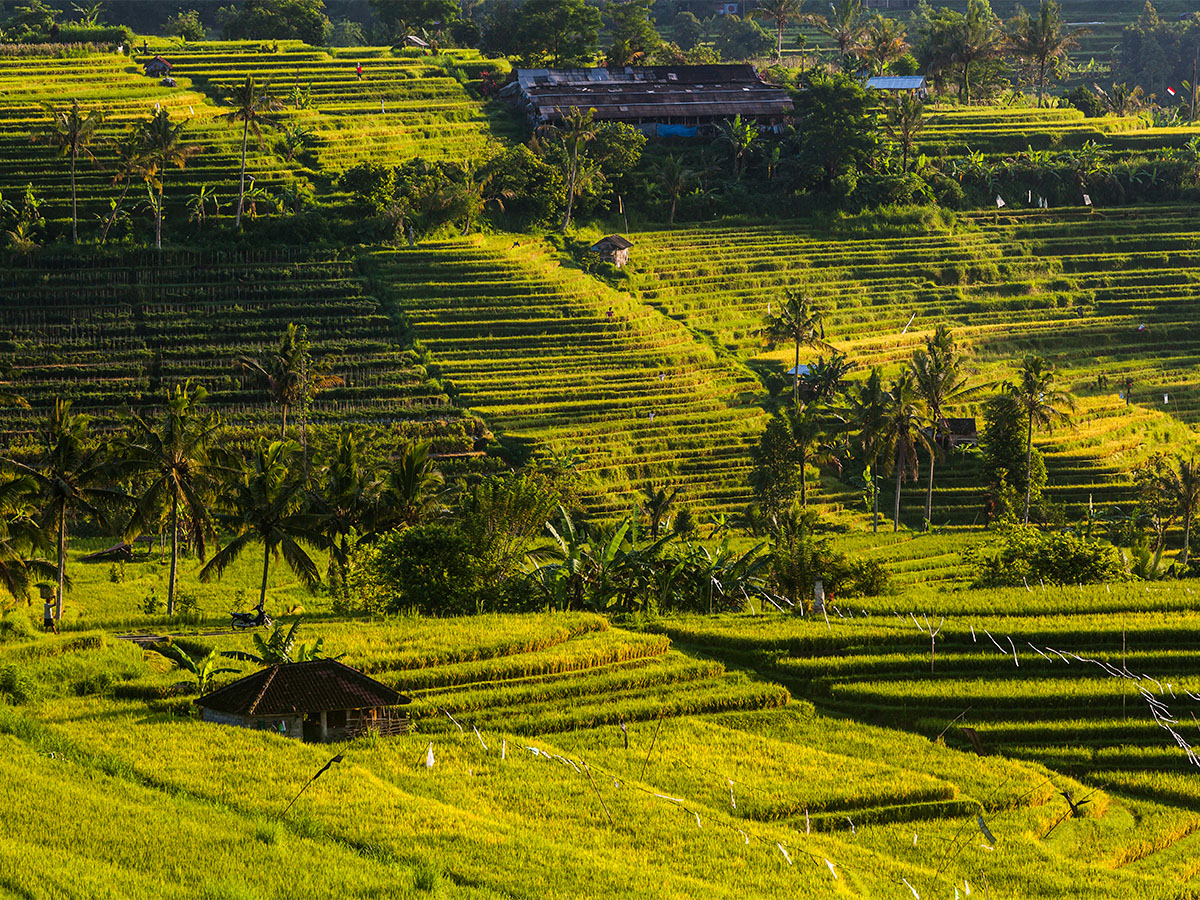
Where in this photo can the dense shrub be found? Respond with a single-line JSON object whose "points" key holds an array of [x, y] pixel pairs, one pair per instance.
{"points": [[1026, 555]]}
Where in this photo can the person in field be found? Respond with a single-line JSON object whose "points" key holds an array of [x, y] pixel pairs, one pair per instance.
{"points": [[358, 71], [48, 617]]}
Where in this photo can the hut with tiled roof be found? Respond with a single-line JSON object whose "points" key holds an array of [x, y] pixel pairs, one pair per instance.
{"points": [[319, 700]]}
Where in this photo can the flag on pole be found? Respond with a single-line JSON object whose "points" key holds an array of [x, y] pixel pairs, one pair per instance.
{"points": [[429, 757], [1171, 91], [999, 201]]}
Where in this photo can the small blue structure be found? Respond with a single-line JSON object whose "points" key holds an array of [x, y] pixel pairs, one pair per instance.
{"points": [[914, 83]]}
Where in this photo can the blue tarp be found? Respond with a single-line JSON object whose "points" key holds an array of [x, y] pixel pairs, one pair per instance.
{"points": [[688, 131]]}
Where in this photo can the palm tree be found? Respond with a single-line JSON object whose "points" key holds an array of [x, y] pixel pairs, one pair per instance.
{"points": [[847, 26], [250, 104], [903, 432], [884, 43], [904, 123], [801, 323], [411, 489], [1039, 403], [161, 147], [866, 412], [578, 129], [264, 503], [673, 180], [937, 371], [71, 132], [781, 12], [1042, 40], [291, 376], [129, 164], [198, 205], [173, 453], [741, 136], [21, 538], [69, 478], [1182, 486], [980, 38], [825, 380], [343, 505], [656, 503], [810, 433]]}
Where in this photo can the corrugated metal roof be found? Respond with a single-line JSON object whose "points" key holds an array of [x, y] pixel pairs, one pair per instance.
{"points": [[313, 686], [896, 82]]}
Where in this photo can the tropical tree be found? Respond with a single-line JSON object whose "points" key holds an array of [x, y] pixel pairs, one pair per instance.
{"points": [[264, 506], [884, 42], [741, 137], [781, 13], [22, 539], [1182, 486], [811, 433], [673, 181], [801, 323], [203, 668], [129, 164], [577, 130], [867, 407], [1041, 40], [411, 489], [904, 123], [251, 103], [825, 379], [978, 38], [173, 455], [198, 205], [1040, 403], [656, 503], [847, 26], [71, 133], [161, 145], [70, 477], [903, 431], [280, 648], [344, 503], [941, 381]]}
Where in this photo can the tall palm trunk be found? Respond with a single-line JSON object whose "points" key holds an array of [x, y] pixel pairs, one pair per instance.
{"points": [[779, 39], [1187, 537], [113, 217], [283, 422], [174, 554], [796, 375], [674, 200], [1028, 465], [804, 478], [1041, 81], [929, 492], [158, 217], [262, 591], [242, 181], [62, 562], [74, 200], [874, 499], [571, 187], [899, 478]]}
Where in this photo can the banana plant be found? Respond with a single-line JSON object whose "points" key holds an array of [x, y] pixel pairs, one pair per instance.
{"points": [[202, 668]]}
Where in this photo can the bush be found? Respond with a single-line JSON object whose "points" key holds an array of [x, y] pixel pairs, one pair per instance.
{"points": [[1026, 555], [14, 626], [429, 568]]}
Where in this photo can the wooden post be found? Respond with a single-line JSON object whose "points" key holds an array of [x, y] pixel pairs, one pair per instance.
{"points": [[324, 728]]}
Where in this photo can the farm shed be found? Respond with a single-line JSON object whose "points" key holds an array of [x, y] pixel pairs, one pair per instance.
{"points": [[320, 700], [157, 67], [613, 249], [662, 101], [899, 84]]}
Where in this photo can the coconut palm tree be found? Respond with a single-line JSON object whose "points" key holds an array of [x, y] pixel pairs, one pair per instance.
{"points": [[656, 503], [411, 489], [129, 164], [1182, 485], [847, 26], [801, 323], [343, 504], [1041, 404], [741, 136], [903, 433], [941, 381], [1041, 39], [264, 506], [22, 539], [70, 477], [884, 42], [904, 123], [250, 104], [162, 146], [173, 455], [781, 13], [979, 38], [867, 408], [673, 181], [71, 133], [291, 376], [576, 131]]}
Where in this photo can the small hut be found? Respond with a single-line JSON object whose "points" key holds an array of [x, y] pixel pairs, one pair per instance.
{"points": [[613, 249], [900, 84], [320, 700], [157, 67]]}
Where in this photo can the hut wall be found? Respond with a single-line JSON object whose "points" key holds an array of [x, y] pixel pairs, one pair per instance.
{"points": [[288, 726]]}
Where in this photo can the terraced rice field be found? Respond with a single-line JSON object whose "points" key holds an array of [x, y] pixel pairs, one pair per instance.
{"points": [[403, 106], [115, 84], [120, 329], [1077, 287], [532, 347]]}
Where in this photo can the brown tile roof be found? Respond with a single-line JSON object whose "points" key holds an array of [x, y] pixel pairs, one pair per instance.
{"points": [[320, 684]]}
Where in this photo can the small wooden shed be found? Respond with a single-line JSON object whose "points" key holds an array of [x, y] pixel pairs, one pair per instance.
{"points": [[613, 249], [320, 700], [157, 67]]}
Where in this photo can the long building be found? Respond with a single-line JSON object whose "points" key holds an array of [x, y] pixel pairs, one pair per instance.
{"points": [[663, 101]]}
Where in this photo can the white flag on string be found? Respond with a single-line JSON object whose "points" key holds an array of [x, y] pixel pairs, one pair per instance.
{"points": [[999, 201], [1087, 199], [429, 757]]}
